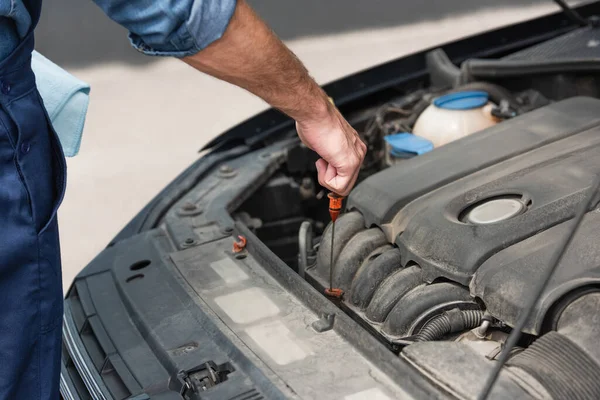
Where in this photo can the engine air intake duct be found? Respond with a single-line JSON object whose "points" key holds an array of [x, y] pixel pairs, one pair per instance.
{"points": [[380, 289]]}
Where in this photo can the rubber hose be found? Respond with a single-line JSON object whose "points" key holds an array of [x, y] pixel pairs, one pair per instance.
{"points": [[563, 368], [451, 321], [498, 69], [442, 72]]}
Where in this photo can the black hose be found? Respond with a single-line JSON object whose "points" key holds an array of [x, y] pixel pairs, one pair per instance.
{"points": [[497, 69], [442, 72], [451, 321]]}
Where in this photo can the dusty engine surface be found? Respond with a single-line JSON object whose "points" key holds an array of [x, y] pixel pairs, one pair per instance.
{"points": [[471, 226], [469, 188]]}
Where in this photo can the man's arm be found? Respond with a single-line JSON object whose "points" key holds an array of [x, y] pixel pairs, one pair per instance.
{"points": [[249, 55], [226, 39]]}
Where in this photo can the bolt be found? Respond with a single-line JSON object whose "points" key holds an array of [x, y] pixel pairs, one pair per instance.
{"points": [[226, 171], [189, 242], [188, 207]]}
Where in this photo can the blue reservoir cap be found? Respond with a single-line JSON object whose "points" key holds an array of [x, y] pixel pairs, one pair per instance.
{"points": [[405, 145], [462, 100]]}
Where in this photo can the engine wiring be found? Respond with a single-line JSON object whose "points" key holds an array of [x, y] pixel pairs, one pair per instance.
{"points": [[587, 203], [392, 117]]}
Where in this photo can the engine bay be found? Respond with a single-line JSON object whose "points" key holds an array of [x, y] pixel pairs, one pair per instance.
{"points": [[469, 184]]}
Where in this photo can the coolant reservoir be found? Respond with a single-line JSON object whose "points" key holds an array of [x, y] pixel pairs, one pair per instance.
{"points": [[453, 116]]}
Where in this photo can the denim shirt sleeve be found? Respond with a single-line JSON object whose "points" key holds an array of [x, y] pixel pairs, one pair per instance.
{"points": [[175, 28]]}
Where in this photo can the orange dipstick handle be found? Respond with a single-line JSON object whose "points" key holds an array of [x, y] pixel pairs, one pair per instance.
{"points": [[335, 205]]}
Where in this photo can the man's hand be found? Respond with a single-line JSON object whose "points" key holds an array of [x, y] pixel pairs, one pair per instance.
{"points": [[249, 55], [341, 150]]}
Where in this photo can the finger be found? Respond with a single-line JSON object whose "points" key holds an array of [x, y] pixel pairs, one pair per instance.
{"points": [[353, 180], [344, 184], [321, 168], [342, 181], [330, 173], [349, 184], [327, 176], [340, 184], [355, 174]]}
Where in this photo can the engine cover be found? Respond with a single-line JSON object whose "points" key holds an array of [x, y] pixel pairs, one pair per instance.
{"points": [[487, 211]]}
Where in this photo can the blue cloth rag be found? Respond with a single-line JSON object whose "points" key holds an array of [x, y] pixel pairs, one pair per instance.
{"points": [[66, 99]]}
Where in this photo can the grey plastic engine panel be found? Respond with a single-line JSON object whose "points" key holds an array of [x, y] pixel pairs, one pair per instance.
{"points": [[546, 159]]}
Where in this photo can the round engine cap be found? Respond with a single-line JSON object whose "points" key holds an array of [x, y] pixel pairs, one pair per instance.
{"points": [[462, 100], [495, 210]]}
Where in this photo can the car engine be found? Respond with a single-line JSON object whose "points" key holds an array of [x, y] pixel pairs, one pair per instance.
{"points": [[438, 250], [455, 243]]}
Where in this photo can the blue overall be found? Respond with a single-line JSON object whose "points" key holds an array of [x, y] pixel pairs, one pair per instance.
{"points": [[32, 177], [32, 182]]}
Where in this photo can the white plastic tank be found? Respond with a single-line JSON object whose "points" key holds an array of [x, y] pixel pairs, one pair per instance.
{"points": [[455, 115]]}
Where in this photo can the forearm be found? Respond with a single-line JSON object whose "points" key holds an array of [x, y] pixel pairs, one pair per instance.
{"points": [[226, 39], [249, 55]]}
